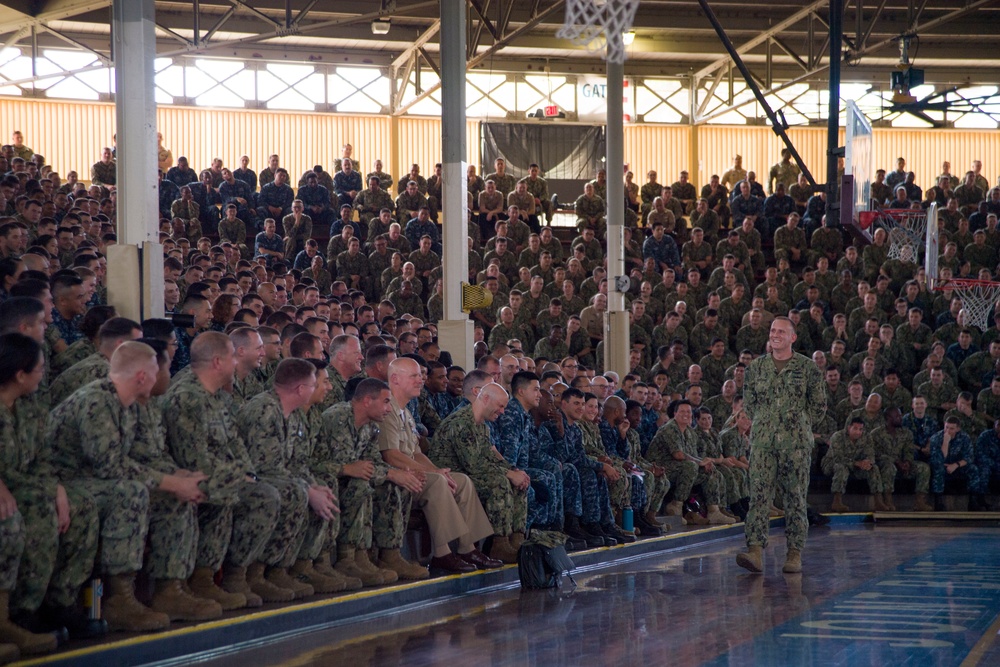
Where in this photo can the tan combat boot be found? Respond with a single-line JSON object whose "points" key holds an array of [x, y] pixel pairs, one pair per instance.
{"points": [[171, 599], [675, 508], [304, 571], [230, 597], [838, 505], [695, 519], [322, 566], [267, 591], [348, 566], [921, 504], [363, 560], [752, 559], [123, 612], [391, 559], [24, 642], [793, 562], [717, 518], [279, 577], [887, 499], [502, 550], [650, 517]]}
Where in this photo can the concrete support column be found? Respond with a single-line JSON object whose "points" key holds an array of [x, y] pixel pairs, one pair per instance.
{"points": [[616, 329], [455, 332], [135, 265]]}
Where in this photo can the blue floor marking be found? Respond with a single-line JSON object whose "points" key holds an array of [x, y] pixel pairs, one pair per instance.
{"points": [[929, 611]]}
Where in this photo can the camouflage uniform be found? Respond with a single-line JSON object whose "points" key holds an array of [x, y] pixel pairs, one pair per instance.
{"points": [[620, 492], [959, 449], [236, 521], [731, 482], [588, 208], [839, 462], [683, 475], [539, 189], [567, 447], [74, 354], [369, 204], [173, 525], [624, 448], [731, 443], [406, 203], [273, 445], [94, 367], [91, 436], [505, 184], [784, 406], [58, 564], [463, 445], [372, 512], [899, 446], [785, 238]]}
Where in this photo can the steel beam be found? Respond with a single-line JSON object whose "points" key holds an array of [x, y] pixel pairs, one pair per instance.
{"points": [[776, 124]]}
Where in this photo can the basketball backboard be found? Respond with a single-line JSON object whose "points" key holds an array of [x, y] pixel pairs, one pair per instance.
{"points": [[859, 157]]}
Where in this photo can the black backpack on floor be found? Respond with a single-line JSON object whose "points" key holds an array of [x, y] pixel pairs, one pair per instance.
{"points": [[542, 561]]}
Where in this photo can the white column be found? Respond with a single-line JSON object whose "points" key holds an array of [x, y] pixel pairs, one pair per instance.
{"points": [[135, 265], [455, 331], [616, 329]]}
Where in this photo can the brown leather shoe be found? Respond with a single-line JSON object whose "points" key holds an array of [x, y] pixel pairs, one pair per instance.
{"points": [[452, 564], [480, 560]]}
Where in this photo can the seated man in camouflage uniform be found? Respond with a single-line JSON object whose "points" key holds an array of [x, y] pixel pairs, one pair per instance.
{"points": [[894, 455], [852, 454], [675, 447], [374, 497], [953, 458], [92, 434], [239, 515], [462, 443], [273, 425]]}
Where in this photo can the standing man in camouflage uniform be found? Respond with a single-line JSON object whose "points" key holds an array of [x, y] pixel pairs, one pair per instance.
{"points": [[92, 434], [462, 443], [784, 396], [239, 515]]}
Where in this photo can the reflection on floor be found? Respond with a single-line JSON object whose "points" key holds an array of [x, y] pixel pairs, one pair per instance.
{"points": [[867, 596]]}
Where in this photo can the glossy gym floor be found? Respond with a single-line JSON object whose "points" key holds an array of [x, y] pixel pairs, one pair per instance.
{"points": [[885, 595]]}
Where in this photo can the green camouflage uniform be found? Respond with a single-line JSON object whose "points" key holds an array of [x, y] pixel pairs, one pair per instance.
{"points": [[735, 445], [785, 238], [683, 475], [94, 367], [58, 564], [73, 354], [173, 525], [899, 446], [371, 512], [237, 520], [369, 204], [91, 435], [732, 483], [588, 208], [839, 462], [272, 442], [784, 406], [463, 445], [620, 492], [505, 184], [406, 203]]}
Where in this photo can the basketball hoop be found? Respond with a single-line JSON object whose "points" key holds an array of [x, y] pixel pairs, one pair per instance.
{"points": [[599, 26], [979, 297], [906, 228]]}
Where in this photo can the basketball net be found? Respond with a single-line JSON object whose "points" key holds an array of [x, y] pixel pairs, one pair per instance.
{"points": [[598, 26], [906, 234], [978, 299]]}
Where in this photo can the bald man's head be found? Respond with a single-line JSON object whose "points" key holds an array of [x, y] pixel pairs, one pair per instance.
{"points": [[613, 406], [207, 346]]}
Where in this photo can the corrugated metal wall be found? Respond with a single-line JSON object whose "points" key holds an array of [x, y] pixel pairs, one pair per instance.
{"points": [[665, 148], [925, 150], [71, 135]]}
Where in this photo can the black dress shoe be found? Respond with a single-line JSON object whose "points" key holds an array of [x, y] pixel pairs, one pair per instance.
{"points": [[617, 533], [478, 559], [576, 545], [595, 533], [646, 529], [453, 564]]}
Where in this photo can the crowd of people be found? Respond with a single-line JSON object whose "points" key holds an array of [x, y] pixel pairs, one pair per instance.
{"points": [[293, 413]]}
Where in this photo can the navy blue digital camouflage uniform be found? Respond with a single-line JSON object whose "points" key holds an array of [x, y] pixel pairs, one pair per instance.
{"points": [[509, 434], [568, 448]]}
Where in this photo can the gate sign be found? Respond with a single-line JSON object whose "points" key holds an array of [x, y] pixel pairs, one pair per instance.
{"points": [[592, 99]]}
